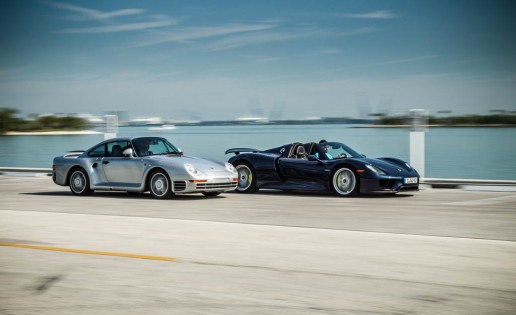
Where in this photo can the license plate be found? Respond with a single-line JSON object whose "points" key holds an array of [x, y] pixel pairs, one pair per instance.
{"points": [[411, 180]]}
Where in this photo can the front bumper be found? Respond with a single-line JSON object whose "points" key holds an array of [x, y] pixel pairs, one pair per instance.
{"points": [[386, 184], [199, 186]]}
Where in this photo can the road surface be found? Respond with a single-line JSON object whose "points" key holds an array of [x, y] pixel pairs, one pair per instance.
{"points": [[436, 251]]}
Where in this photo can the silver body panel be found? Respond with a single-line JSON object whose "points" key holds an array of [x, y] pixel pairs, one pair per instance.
{"points": [[132, 173]]}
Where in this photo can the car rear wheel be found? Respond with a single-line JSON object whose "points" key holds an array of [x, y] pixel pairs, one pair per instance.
{"points": [[79, 182], [159, 185], [344, 182], [246, 178]]}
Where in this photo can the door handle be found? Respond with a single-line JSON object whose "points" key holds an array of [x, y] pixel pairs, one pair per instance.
{"points": [[105, 162]]}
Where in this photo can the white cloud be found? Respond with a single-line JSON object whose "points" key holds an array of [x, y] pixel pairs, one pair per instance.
{"points": [[119, 27], [92, 14], [383, 63], [255, 38], [376, 15], [106, 19], [186, 34]]}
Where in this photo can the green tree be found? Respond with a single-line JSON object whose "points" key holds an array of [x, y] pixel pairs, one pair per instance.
{"points": [[8, 120]]}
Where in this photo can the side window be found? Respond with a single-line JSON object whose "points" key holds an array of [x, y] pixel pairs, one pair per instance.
{"points": [[99, 151], [116, 149]]}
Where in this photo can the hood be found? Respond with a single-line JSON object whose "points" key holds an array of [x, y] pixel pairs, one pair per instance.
{"points": [[206, 166]]}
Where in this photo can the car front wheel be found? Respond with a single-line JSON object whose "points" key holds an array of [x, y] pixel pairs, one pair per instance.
{"points": [[159, 185], [344, 182], [79, 183], [246, 178]]}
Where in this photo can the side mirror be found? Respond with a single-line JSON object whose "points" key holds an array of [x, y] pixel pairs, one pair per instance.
{"points": [[313, 158], [128, 152]]}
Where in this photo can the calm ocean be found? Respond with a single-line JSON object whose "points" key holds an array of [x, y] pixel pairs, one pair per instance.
{"points": [[471, 153]]}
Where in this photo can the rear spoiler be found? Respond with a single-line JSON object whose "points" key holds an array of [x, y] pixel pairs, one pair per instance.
{"points": [[237, 151]]}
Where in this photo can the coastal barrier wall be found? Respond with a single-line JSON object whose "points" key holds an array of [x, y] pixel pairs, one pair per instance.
{"points": [[433, 182]]}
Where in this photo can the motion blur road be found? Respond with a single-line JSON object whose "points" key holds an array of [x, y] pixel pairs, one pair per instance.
{"points": [[436, 251]]}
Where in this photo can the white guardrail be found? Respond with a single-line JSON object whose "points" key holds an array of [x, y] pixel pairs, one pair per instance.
{"points": [[434, 182], [25, 170]]}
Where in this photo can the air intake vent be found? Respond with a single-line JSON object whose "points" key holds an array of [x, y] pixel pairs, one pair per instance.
{"points": [[179, 186], [216, 186]]}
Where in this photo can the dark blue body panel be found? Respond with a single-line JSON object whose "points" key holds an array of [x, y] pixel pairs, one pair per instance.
{"points": [[278, 169]]}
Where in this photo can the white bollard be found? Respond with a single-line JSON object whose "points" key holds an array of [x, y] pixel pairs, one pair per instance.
{"points": [[417, 151], [111, 126], [418, 123]]}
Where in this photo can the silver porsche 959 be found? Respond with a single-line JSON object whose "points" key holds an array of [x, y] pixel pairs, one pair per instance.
{"points": [[139, 165]]}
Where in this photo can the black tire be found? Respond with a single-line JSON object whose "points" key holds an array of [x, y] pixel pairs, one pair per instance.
{"points": [[344, 182], [79, 182], [160, 185], [246, 178], [211, 193]]}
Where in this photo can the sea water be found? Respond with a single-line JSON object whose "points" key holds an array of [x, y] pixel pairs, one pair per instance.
{"points": [[469, 153]]}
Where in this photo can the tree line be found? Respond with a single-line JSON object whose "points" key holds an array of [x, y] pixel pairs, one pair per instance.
{"points": [[10, 122], [495, 119]]}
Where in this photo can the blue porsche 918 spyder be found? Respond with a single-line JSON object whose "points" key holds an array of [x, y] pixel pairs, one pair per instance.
{"points": [[327, 166]]}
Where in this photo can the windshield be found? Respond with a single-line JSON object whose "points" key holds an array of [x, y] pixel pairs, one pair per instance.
{"points": [[334, 150], [153, 146]]}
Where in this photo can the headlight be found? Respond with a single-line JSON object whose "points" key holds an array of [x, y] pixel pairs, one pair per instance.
{"points": [[230, 168], [376, 169], [191, 169]]}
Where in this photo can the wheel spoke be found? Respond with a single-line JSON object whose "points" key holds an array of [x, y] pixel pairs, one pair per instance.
{"points": [[344, 181], [159, 185], [245, 177]]}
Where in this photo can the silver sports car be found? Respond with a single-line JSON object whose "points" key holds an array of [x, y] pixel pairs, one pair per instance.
{"points": [[141, 164]]}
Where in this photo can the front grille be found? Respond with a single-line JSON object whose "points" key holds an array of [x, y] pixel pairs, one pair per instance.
{"points": [[179, 185], [387, 183], [216, 186]]}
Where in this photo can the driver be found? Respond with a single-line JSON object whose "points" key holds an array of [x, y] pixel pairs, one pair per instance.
{"points": [[142, 148], [323, 146]]}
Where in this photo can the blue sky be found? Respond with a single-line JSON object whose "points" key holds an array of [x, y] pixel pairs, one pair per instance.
{"points": [[281, 59]]}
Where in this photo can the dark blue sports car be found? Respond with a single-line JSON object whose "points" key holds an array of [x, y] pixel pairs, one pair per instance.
{"points": [[326, 166]]}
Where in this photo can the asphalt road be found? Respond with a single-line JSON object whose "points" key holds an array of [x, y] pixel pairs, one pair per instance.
{"points": [[436, 251]]}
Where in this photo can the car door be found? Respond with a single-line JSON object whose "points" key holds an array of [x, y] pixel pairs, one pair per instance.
{"points": [[122, 171], [295, 169], [96, 172]]}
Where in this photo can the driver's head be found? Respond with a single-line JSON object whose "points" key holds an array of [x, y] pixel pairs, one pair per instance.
{"points": [[323, 144]]}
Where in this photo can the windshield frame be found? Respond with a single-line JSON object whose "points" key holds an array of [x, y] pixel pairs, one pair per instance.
{"points": [[336, 149], [140, 143]]}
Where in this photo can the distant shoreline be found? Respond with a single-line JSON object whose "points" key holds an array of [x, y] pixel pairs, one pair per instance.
{"points": [[440, 126], [51, 133]]}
